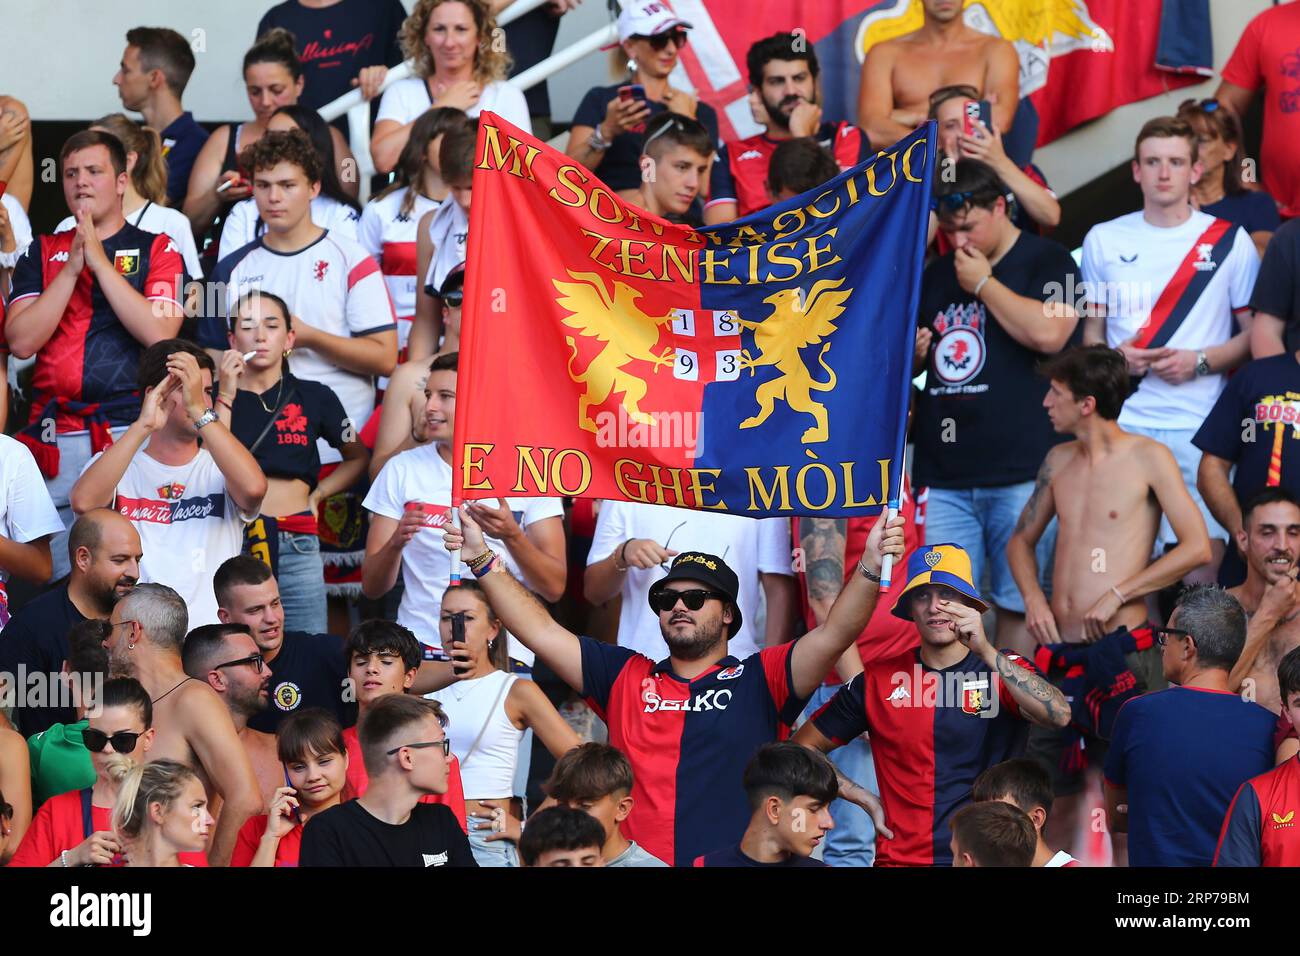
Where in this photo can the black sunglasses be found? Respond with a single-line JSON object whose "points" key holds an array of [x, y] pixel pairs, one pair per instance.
{"points": [[694, 599], [256, 660], [1205, 106], [444, 743], [1164, 633], [453, 299], [123, 741], [660, 40]]}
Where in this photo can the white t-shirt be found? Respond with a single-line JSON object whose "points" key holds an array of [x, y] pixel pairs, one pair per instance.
{"points": [[1060, 859], [1127, 263], [420, 475], [332, 284], [21, 225], [26, 511], [242, 224], [449, 232], [187, 522], [162, 221], [390, 238], [407, 99], [749, 546]]}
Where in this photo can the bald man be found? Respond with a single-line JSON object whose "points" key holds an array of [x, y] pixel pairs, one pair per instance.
{"points": [[104, 553]]}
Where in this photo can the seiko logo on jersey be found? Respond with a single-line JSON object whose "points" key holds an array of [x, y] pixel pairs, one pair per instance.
{"points": [[1204, 257], [749, 154], [712, 699]]}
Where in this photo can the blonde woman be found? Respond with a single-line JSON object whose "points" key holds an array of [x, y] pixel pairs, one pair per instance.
{"points": [[161, 811], [459, 61]]}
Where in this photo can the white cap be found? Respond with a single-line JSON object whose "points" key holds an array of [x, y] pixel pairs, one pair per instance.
{"points": [[647, 18]]}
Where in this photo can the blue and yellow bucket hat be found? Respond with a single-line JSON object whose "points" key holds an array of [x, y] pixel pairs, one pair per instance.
{"points": [[946, 564]]}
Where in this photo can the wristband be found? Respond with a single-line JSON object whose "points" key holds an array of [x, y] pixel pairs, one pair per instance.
{"points": [[979, 285], [222, 400], [486, 566], [1118, 594], [63, 858], [622, 557], [480, 560]]}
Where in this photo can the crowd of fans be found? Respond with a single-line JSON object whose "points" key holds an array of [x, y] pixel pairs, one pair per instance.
{"points": [[229, 500]]}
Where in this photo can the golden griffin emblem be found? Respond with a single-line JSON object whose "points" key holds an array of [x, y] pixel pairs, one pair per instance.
{"points": [[795, 323], [629, 335]]}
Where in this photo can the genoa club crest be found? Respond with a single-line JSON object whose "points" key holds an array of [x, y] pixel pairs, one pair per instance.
{"points": [[974, 697]]}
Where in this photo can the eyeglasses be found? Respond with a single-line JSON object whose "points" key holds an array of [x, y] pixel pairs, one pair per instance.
{"points": [[694, 599], [123, 741], [444, 743], [256, 660], [1164, 633], [660, 41], [453, 300]]}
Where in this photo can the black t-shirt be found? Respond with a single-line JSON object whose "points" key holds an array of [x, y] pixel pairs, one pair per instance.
{"points": [[1253, 425], [734, 856], [309, 410], [348, 835], [619, 168], [308, 671], [530, 40], [336, 42], [1277, 287], [1253, 211], [37, 638], [980, 421]]}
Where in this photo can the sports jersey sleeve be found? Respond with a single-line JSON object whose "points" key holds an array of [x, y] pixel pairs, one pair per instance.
{"points": [[1090, 268], [215, 305], [722, 185], [1058, 270], [844, 716], [1274, 285], [184, 240], [777, 663], [369, 309], [1245, 270], [370, 231], [29, 512], [1005, 697], [28, 277], [774, 546], [1220, 433], [166, 279], [1243, 68], [1239, 840], [601, 665], [1115, 770], [611, 532], [238, 229], [334, 421], [250, 834], [385, 495], [38, 847]]}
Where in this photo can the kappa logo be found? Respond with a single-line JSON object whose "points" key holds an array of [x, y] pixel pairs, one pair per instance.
{"points": [[709, 700], [435, 859], [731, 673], [1284, 821], [898, 693], [1204, 257], [749, 154]]}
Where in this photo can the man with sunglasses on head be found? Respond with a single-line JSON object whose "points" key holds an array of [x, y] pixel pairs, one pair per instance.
{"points": [[785, 95], [194, 727], [991, 308], [609, 124], [405, 749], [1177, 756], [674, 166], [226, 657], [689, 723]]}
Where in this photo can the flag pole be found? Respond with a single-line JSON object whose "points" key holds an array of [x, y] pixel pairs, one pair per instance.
{"points": [[455, 555], [887, 562]]}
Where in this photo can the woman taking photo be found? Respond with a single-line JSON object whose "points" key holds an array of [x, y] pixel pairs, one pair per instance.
{"points": [[456, 64], [487, 717], [161, 812], [280, 418]]}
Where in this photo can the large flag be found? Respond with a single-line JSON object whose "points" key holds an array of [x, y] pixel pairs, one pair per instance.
{"points": [[760, 368], [1078, 58]]}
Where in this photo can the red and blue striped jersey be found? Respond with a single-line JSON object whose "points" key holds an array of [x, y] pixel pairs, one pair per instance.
{"points": [[1261, 827], [932, 733], [688, 741]]}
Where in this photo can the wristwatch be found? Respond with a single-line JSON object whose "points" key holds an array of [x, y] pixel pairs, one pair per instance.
{"points": [[207, 418], [1202, 364]]}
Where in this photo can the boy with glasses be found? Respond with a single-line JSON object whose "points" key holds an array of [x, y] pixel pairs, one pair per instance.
{"points": [[406, 758]]}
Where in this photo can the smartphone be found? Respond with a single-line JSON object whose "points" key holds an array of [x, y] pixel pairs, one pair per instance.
{"points": [[976, 111], [633, 91], [458, 637]]}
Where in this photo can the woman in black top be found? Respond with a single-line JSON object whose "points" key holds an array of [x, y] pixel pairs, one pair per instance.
{"points": [[279, 419]]}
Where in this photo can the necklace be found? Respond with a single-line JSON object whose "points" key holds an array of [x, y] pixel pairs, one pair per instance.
{"points": [[178, 685], [271, 411]]}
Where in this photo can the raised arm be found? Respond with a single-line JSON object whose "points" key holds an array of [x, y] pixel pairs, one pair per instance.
{"points": [[1002, 83], [97, 486], [521, 613], [1034, 519], [538, 552], [211, 734]]}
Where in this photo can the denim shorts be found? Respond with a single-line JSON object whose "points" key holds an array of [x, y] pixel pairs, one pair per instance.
{"points": [[301, 576], [1188, 456]]}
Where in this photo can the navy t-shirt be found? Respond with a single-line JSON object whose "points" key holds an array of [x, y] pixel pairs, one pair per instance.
{"points": [[1277, 290], [336, 42], [308, 671], [37, 638], [618, 168], [980, 421], [735, 856], [1265, 392], [530, 40], [1253, 211], [1182, 753], [182, 140], [308, 411]]}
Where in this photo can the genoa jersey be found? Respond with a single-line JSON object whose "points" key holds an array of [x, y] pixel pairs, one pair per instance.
{"points": [[932, 733], [390, 237], [1261, 828], [689, 741], [92, 357]]}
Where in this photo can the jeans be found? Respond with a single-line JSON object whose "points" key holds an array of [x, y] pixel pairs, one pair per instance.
{"points": [[74, 454], [498, 853], [853, 840], [981, 520], [301, 577]]}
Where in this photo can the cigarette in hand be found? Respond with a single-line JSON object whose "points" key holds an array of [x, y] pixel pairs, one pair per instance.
{"points": [[226, 185]]}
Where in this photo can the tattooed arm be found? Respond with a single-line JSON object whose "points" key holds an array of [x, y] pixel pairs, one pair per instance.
{"points": [[1033, 521], [1039, 701], [822, 540]]}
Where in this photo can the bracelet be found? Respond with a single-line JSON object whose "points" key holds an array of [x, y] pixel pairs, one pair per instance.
{"points": [[622, 557], [868, 573], [597, 140], [483, 569], [1118, 594], [979, 285], [222, 400], [482, 559], [63, 858]]}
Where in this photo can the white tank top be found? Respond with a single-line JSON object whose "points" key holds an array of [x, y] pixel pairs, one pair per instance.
{"points": [[475, 706]]}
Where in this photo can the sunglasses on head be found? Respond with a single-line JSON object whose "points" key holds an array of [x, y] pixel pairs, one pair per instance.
{"points": [[123, 741], [694, 599], [952, 202], [1205, 106], [660, 40]]}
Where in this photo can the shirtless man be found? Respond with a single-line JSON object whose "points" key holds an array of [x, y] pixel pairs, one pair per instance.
{"points": [[900, 74], [1270, 540], [228, 660], [194, 727], [1108, 490]]}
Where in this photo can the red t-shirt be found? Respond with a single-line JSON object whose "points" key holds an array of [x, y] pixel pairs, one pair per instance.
{"points": [[250, 835], [1268, 54], [58, 826], [359, 780]]}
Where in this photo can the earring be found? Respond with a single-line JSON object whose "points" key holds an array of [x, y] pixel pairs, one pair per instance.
{"points": [[288, 352], [130, 646]]}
